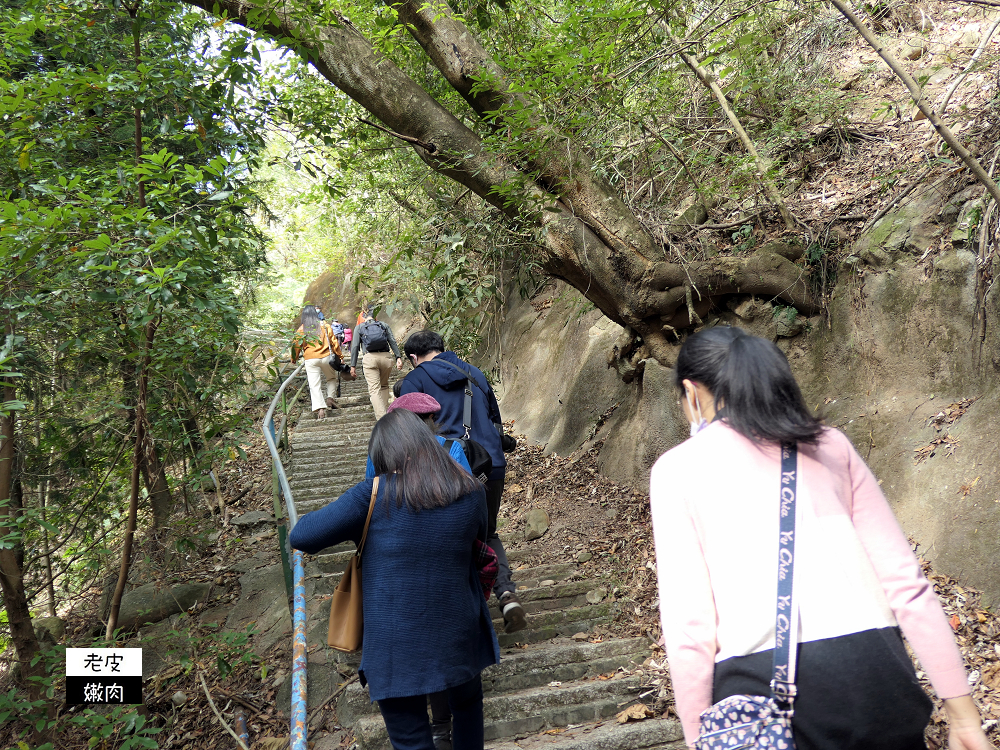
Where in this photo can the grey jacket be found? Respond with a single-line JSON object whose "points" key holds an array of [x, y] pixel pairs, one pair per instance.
{"points": [[356, 344]]}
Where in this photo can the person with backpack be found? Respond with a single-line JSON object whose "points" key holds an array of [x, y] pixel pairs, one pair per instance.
{"points": [[320, 350], [375, 340], [348, 336], [338, 330], [446, 377], [427, 408]]}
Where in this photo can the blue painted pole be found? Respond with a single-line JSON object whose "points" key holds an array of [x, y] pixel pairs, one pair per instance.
{"points": [[241, 727], [299, 658]]}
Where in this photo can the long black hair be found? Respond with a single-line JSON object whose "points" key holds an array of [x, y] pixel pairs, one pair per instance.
{"points": [[752, 385], [310, 321], [419, 471]]}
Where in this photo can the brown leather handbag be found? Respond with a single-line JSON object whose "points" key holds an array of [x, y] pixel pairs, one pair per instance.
{"points": [[346, 611]]}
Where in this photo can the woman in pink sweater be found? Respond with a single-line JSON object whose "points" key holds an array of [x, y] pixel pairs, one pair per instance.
{"points": [[857, 583]]}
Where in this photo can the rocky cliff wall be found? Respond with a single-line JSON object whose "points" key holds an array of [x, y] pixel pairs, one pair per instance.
{"points": [[907, 366]]}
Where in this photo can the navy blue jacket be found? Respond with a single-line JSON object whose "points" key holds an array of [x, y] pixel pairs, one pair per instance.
{"points": [[427, 624], [447, 385]]}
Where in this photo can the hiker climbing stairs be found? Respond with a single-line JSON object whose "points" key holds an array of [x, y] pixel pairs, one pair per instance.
{"points": [[556, 685]]}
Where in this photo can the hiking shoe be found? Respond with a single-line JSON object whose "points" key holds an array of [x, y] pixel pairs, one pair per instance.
{"points": [[441, 734], [513, 613], [331, 402]]}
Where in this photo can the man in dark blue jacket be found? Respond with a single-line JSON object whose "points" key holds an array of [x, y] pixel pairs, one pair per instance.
{"points": [[436, 375]]}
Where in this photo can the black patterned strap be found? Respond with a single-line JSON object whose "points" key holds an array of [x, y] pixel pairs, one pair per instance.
{"points": [[786, 625]]}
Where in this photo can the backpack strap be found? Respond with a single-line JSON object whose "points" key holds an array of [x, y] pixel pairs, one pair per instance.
{"points": [[467, 410]]}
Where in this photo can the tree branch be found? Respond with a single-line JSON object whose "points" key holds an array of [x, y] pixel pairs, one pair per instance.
{"points": [[428, 147]]}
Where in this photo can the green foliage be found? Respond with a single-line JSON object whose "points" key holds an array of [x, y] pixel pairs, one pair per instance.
{"points": [[198, 644], [743, 239], [602, 75], [85, 266], [121, 727]]}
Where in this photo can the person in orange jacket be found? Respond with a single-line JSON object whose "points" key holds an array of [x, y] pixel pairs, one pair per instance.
{"points": [[323, 357]]}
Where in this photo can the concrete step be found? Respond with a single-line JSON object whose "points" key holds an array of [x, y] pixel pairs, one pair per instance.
{"points": [[321, 490], [347, 439], [330, 552], [651, 734], [525, 711], [313, 482], [319, 484], [320, 437], [543, 626], [543, 663], [329, 564], [333, 421], [353, 457], [347, 453], [531, 576], [356, 455], [353, 399], [308, 506], [531, 668], [557, 596]]}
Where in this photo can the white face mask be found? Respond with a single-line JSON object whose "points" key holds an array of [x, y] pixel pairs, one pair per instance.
{"points": [[699, 424]]}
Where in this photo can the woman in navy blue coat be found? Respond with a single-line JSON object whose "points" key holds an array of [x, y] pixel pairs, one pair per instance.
{"points": [[427, 624]]}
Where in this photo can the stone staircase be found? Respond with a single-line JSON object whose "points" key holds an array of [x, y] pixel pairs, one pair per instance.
{"points": [[553, 687]]}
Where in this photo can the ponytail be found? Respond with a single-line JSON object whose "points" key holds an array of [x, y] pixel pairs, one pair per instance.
{"points": [[752, 383]]}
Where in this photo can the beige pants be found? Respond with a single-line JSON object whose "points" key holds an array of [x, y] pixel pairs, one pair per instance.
{"points": [[376, 367], [315, 370]]}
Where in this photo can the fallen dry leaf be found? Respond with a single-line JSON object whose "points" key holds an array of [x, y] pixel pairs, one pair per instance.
{"points": [[635, 712]]}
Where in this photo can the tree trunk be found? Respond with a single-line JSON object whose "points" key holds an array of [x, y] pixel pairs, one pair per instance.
{"points": [[587, 236], [11, 575], [151, 468], [137, 460]]}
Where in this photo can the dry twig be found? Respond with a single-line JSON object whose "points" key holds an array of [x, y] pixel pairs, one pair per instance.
{"points": [[204, 686]]}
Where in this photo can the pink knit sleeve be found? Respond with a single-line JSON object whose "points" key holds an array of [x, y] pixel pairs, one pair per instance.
{"points": [[687, 607], [910, 594]]}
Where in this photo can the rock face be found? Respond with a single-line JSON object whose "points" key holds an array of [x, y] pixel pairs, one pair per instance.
{"points": [[152, 603], [910, 332], [49, 629]]}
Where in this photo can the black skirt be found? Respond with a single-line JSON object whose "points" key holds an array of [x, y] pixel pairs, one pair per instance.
{"points": [[855, 692]]}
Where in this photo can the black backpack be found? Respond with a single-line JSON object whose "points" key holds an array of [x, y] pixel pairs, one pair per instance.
{"points": [[479, 460], [374, 337]]}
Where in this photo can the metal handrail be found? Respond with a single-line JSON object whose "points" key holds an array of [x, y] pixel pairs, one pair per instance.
{"points": [[272, 445], [299, 727]]}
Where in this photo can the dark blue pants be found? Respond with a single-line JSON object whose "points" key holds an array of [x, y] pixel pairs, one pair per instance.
{"points": [[410, 729], [494, 491]]}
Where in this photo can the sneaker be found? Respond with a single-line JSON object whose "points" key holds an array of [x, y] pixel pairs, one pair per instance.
{"points": [[331, 402], [513, 613]]}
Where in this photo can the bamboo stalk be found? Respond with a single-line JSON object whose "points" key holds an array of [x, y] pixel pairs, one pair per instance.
{"points": [[763, 164], [918, 97]]}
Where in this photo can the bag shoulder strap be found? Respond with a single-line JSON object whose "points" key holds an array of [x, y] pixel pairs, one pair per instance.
{"points": [[467, 409], [786, 623], [371, 508], [326, 332]]}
